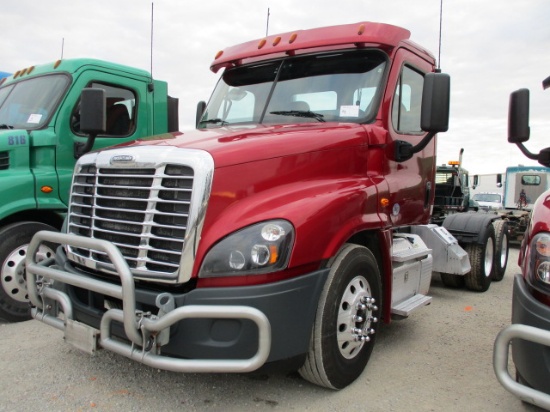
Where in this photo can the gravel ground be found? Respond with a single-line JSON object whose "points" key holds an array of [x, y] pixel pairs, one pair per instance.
{"points": [[439, 359]]}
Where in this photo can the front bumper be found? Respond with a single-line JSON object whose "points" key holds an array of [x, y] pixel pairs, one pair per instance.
{"points": [[232, 329], [529, 336], [532, 360]]}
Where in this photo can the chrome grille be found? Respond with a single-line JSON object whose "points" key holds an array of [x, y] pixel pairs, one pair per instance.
{"points": [[145, 210]]}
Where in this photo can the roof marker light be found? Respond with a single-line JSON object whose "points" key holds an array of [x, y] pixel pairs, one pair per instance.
{"points": [[261, 43], [56, 64], [218, 54], [292, 38], [361, 29], [277, 40]]}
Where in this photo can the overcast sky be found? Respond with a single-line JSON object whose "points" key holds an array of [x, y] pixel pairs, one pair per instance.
{"points": [[489, 47]]}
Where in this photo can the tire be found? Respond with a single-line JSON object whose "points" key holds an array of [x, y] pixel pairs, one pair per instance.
{"points": [[452, 281], [502, 243], [343, 334], [14, 300], [481, 260]]}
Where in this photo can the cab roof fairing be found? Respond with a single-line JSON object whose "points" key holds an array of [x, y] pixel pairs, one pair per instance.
{"points": [[357, 34]]}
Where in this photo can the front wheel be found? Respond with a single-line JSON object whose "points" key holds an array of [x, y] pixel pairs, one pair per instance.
{"points": [[14, 299], [481, 260], [344, 331]]}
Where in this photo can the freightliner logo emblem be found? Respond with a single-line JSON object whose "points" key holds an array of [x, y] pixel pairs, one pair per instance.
{"points": [[125, 159]]}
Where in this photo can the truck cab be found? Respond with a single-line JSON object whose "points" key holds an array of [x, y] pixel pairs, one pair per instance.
{"points": [[530, 328], [40, 140], [281, 231]]}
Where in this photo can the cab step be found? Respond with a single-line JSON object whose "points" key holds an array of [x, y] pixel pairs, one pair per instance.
{"points": [[406, 307]]}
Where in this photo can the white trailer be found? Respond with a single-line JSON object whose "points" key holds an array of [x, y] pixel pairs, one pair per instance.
{"points": [[488, 183]]}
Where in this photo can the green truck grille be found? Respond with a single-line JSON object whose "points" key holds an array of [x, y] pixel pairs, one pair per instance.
{"points": [[4, 160]]}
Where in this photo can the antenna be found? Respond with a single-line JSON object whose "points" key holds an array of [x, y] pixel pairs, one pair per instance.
{"points": [[440, 25], [151, 86], [62, 46], [267, 24], [151, 52]]}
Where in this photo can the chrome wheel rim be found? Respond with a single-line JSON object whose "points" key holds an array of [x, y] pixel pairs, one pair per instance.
{"points": [[355, 316], [14, 280]]}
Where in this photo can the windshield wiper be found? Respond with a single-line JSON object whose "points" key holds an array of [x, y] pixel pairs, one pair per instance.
{"points": [[5, 126], [300, 113], [214, 121]]}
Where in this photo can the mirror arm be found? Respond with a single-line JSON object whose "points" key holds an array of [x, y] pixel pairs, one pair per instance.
{"points": [[83, 148], [405, 150], [526, 152]]}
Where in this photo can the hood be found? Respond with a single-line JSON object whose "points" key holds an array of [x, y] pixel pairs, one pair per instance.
{"points": [[231, 146]]}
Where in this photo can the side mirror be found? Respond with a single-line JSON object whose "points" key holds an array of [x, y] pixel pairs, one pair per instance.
{"points": [[436, 98], [92, 118], [518, 116], [201, 106], [434, 117], [499, 180], [92, 111], [476, 181]]}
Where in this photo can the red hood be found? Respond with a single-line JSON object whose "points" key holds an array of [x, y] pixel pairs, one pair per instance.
{"points": [[230, 146]]}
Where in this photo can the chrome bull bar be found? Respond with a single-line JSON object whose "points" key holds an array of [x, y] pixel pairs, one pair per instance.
{"points": [[500, 362], [147, 332]]}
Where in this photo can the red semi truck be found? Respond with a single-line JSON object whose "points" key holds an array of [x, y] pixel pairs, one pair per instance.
{"points": [[529, 334], [280, 231]]}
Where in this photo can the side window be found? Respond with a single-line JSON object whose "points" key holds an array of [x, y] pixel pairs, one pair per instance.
{"points": [[120, 108], [407, 102]]}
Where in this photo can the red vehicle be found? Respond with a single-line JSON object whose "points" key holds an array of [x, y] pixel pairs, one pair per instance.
{"points": [[280, 231], [530, 329]]}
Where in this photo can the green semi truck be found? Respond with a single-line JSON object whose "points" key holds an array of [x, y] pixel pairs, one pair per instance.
{"points": [[40, 140]]}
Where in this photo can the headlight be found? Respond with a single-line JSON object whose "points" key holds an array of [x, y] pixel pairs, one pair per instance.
{"points": [[539, 264], [257, 249]]}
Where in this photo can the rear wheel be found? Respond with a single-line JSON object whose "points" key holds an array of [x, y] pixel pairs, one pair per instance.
{"points": [[14, 299], [481, 260], [343, 334], [501, 249]]}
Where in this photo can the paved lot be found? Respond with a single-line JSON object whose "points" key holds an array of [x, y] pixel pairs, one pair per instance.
{"points": [[440, 359]]}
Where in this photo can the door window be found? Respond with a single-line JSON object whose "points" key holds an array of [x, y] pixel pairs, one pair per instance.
{"points": [[120, 110], [407, 102]]}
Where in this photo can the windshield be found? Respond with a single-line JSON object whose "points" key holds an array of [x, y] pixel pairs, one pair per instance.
{"points": [[488, 197], [28, 104], [335, 87]]}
